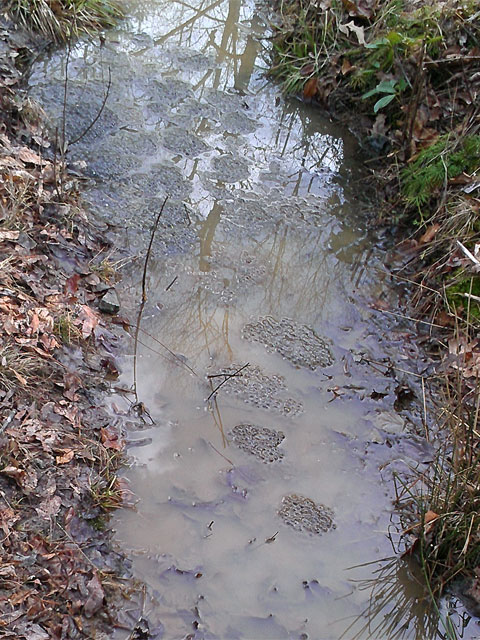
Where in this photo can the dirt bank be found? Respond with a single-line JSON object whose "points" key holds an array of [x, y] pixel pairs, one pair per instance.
{"points": [[405, 77], [60, 449]]}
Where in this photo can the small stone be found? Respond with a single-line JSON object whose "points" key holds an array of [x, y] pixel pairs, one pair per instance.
{"points": [[110, 302]]}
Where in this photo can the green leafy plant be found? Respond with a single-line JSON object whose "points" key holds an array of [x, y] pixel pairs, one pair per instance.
{"points": [[388, 90]]}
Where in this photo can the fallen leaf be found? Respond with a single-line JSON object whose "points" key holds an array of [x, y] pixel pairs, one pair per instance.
{"points": [[34, 323], [430, 518], [429, 234], [19, 377], [307, 70], [66, 457], [352, 27], [111, 439], [71, 285], [444, 319], [95, 597], [14, 472], [49, 507], [9, 235], [29, 156], [346, 67], [311, 87], [89, 320]]}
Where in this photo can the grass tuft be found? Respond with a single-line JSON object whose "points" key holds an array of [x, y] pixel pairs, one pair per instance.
{"points": [[63, 20], [18, 368]]}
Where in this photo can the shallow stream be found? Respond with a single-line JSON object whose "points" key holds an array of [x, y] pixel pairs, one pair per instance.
{"points": [[253, 504]]}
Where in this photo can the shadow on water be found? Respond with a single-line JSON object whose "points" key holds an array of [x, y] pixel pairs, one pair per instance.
{"points": [[252, 504]]}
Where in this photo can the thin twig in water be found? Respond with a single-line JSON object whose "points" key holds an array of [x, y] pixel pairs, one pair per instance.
{"points": [[171, 283], [164, 346], [401, 315], [100, 111], [391, 366], [55, 176], [222, 375], [217, 418], [144, 297], [147, 257], [220, 453], [227, 377]]}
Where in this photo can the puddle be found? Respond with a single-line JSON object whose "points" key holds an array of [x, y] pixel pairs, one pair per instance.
{"points": [[252, 505]]}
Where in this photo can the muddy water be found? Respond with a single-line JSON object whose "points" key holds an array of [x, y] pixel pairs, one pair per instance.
{"points": [[253, 504]]}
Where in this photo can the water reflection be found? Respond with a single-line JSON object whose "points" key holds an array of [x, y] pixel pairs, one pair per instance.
{"points": [[261, 221]]}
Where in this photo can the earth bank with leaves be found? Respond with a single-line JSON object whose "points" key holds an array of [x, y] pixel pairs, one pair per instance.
{"points": [[59, 448]]}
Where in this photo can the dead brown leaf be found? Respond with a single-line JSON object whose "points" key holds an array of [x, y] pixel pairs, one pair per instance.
{"points": [[429, 234], [111, 439], [9, 235], [66, 457], [311, 87], [95, 597], [347, 67], [89, 320], [49, 507], [28, 156]]}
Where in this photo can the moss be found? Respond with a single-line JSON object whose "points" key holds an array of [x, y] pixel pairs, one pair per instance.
{"points": [[99, 523], [447, 158], [464, 285]]}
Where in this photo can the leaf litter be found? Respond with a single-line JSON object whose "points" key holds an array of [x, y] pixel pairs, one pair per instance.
{"points": [[59, 447]]}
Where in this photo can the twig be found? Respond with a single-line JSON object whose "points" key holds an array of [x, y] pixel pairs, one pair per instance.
{"points": [[102, 107], [468, 253], [401, 315], [221, 375], [391, 366], [171, 283], [80, 549], [147, 257], [144, 297], [55, 177], [164, 346], [227, 377], [425, 423], [220, 453]]}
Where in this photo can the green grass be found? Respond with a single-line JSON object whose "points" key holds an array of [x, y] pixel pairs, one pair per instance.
{"points": [[64, 20]]}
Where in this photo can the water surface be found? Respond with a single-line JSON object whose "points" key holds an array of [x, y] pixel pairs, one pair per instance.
{"points": [[263, 260]]}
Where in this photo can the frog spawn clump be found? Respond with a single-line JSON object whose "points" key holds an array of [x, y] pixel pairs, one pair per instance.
{"points": [[259, 441], [296, 342], [255, 387], [304, 515]]}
